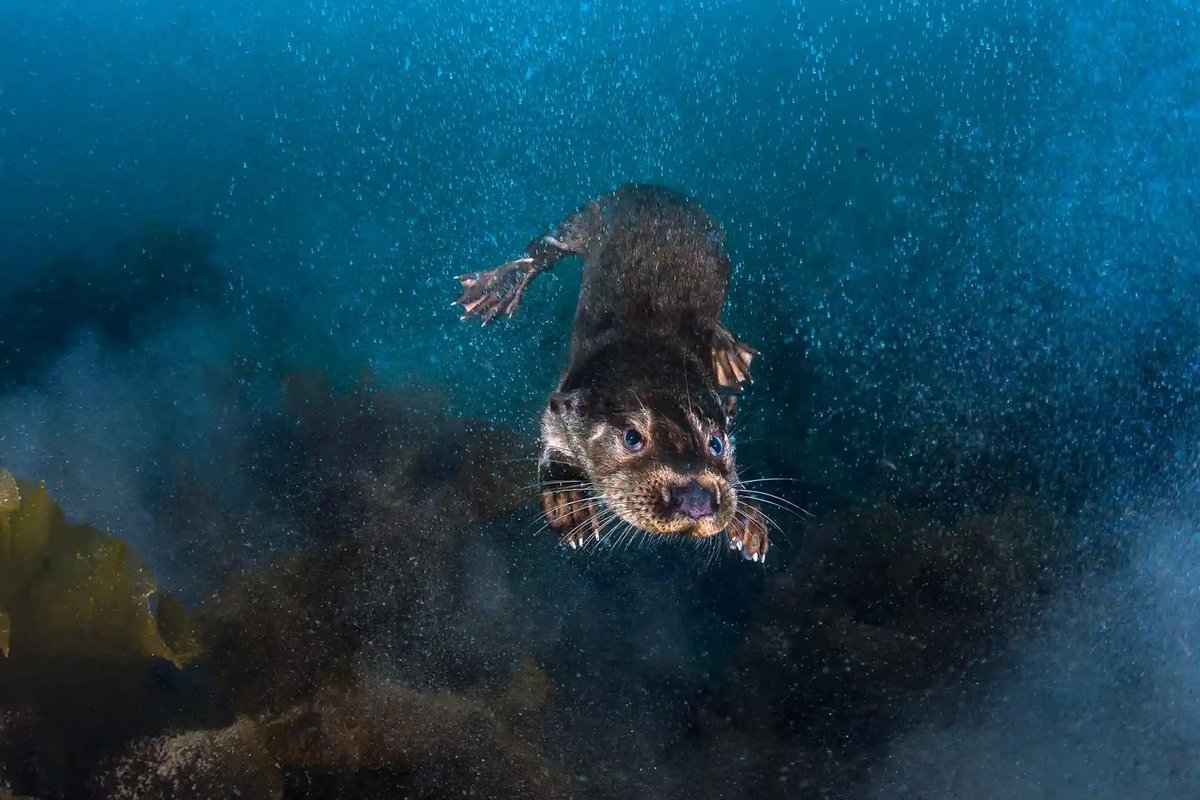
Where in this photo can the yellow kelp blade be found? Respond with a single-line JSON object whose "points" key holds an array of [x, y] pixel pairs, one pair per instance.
{"points": [[71, 592]]}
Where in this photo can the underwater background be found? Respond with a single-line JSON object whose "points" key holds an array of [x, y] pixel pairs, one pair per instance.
{"points": [[287, 544]]}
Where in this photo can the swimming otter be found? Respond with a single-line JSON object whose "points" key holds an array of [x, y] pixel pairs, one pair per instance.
{"points": [[637, 435]]}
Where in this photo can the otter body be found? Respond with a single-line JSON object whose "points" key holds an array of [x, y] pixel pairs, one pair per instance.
{"points": [[636, 437]]}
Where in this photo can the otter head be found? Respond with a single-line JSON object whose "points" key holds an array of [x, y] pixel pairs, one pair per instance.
{"points": [[661, 461]]}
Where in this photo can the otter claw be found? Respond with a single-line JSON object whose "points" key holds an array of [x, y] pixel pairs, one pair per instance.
{"points": [[747, 533], [487, 295], [572, 515]]}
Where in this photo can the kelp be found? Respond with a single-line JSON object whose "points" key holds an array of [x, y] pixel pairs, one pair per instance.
{"points": [[10, 501], [86, 642], [72, 593]]}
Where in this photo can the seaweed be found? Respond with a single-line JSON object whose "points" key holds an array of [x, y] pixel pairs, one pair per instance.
{"points": [[69, 593], [83, 648]]}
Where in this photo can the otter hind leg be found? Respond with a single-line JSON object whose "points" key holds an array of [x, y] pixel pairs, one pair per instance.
{"points": [[731, 359], [487, 295]]}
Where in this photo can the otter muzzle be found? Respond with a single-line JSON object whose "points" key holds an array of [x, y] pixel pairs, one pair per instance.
{"points": [[693, 500]]}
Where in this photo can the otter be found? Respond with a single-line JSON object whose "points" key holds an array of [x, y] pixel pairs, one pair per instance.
{"points": [[637, 435]]}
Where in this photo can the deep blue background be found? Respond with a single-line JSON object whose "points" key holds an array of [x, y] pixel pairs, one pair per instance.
{"points": [[966, 226]]}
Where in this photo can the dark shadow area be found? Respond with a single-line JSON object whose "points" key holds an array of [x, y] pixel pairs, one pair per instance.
{"points": [[149, 277]]}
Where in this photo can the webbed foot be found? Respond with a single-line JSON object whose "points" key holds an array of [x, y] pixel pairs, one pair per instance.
{"points": [[731, 359], [747, 532], [487, 295]]}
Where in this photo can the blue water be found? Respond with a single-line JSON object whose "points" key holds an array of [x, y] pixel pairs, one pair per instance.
{"points": [[965, 243]]}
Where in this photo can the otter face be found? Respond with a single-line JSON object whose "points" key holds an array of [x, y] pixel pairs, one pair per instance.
{"points": [[658, 466]]}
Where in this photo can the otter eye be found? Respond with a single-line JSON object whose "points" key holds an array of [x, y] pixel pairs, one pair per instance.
{"points": [[716, 445], [633, 440]]}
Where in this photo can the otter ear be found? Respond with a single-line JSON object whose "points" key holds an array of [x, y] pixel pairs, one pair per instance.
{"points": [[569, 404]]}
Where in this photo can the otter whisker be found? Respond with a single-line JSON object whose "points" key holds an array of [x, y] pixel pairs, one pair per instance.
{"points": [[766, 516], [765, 499], [579, 502], [589, 496], [631, 535], [612, 522], [589, 505], [545, 519], [750, 481], [538, 488], [715, 547], [751, 439], [618, 531], [771, 523], [561, 485], [643, 543], [614, 530], [594, 522], [606, 518], [699, 544], [539, 457], [636, 534], [760, 493], [803, 510], [752, 495], [568, 537], [626, 538], [621, 533], [533, 491], [556, 462], [768, 502]]}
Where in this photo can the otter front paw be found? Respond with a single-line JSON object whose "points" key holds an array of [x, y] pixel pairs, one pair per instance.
{"points": [[573, 515], [747, 532], [487, 295]]}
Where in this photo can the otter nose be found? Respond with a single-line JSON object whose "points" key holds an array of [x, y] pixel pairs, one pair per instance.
{"points": [[693, 500]]}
